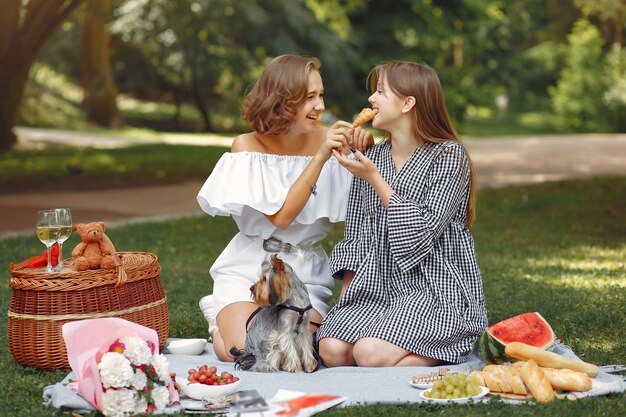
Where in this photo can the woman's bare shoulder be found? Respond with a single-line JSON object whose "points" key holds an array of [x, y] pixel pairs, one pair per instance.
{"points": [[247, 142]]}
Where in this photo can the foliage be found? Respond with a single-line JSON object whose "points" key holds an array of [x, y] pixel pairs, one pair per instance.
{"points": [[51, 99], [556, 248], [578, 93], [208, 53], [615, 95]]}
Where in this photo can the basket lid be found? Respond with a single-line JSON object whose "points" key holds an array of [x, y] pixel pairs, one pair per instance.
{"points": [[136, 265]]}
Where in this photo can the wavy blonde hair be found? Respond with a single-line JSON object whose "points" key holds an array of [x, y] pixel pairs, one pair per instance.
{"points": [[279, 92], [431, 121]]}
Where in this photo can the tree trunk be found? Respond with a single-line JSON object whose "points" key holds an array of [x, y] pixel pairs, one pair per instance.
{"points": [[12, 90], [199, 101], [20, 42], [99, 88]]}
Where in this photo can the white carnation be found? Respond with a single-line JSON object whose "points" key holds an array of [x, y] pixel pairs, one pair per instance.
{"points": [[141, 406], [161, 366], [119, 403], [160, 396], [136, 349], [115, 370], [140, 380]]}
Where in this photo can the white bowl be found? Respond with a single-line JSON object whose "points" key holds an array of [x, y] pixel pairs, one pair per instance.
{"points": [[199, 391], [186, 346]]}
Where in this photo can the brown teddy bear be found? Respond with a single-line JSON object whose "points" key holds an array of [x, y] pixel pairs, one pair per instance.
{"points": [[96, 251]]}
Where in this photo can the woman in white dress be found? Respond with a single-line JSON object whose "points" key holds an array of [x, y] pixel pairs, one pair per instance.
{"points": [[283, 189]]}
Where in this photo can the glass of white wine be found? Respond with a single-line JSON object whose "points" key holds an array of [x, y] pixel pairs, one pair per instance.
{"points": [[47, 232], [63, 220]]}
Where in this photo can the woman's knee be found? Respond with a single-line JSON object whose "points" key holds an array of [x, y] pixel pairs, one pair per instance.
{"points": [[368, 353], [335, 352]]}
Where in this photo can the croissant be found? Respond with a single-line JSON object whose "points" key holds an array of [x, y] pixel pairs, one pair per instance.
{"points": [[364, 116], [536, 382]]}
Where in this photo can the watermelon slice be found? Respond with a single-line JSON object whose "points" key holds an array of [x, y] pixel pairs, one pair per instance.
{"points": [[529, 328]]}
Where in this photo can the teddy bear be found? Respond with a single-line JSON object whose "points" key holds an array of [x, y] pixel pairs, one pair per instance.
{"points": [[96, 251]]}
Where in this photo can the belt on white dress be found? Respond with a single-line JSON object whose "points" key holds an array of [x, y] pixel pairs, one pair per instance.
{"points": [[274, 245]]}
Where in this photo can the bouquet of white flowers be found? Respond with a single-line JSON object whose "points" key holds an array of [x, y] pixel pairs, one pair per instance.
{"points": [[134, 378], [117, 366]]}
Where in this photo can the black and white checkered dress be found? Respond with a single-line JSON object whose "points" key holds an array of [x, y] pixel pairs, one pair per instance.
{"points": [[417, 283]]}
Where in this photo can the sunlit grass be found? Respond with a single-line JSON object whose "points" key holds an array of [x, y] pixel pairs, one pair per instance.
{"points": [[481, 122], [132, 107], [89, 168]]}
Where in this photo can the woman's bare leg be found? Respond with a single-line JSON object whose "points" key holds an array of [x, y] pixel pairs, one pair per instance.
{"points": [[231, 329], [371, 351], [336, 352]]}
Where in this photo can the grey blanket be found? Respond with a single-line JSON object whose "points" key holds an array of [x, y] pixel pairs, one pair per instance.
{"points": [[360, 385]]}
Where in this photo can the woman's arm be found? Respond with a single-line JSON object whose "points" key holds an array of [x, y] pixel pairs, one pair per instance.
{"points": [[304, 186]]}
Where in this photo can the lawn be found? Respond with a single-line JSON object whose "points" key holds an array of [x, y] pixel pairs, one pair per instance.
{"points": [[71, 168], [557, 248]]}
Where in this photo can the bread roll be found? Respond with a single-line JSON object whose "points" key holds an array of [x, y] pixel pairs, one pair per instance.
{"points": [[525, 352], [364, 116], [507, 380], [536, 382], [567, 379]]}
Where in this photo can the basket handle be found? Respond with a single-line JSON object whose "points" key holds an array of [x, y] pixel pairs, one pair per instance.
{"points": [[122, 277]]}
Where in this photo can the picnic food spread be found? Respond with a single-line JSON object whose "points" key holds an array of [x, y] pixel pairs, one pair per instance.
{"points": [[533, 373], [528, 328], [364, 116]]}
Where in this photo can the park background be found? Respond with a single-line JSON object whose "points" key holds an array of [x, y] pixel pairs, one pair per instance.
{"points": [[140, 68]]}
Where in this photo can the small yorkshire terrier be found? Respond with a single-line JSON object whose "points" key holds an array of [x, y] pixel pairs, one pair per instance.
{"points": [[279, 339]]}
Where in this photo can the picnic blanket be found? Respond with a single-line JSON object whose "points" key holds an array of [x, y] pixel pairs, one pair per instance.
{"points": [[361, 386]]}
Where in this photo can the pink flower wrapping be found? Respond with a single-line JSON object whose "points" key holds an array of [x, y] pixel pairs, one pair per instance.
{"points": [[87, 340]]}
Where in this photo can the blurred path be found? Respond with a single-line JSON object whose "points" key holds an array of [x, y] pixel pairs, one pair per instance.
{"points": [[498, 162]]}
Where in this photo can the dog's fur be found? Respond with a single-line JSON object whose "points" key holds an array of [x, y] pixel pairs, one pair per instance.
{"points": [[275, 340]]}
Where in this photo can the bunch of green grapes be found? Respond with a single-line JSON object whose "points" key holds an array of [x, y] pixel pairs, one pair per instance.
{"points": [[453, 386]]}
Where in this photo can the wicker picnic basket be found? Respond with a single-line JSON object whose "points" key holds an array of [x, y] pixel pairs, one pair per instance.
{"points": [[42, 302]]}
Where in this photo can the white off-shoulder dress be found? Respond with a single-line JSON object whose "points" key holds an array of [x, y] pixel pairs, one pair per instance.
{"points": [[248, 185]]}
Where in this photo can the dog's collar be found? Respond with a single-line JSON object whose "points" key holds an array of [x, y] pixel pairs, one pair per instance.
{"points": [[298, 310]]}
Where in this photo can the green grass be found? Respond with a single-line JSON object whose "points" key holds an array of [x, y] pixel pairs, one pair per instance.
{"points": [[557, 248], [90, 168], [481, 123]]}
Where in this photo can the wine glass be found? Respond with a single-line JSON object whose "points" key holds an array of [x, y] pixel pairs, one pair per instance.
{"points": [[63, 220], [47, 232]]}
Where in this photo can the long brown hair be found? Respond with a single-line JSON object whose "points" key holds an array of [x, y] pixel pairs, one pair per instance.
{"points": [[431, 121], [278, 94]]}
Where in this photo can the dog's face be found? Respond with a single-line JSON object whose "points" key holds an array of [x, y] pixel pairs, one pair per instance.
{"points": [[274, 285]]}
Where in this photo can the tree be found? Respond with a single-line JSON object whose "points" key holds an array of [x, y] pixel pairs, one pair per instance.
{"points": [[100, 91], [209, 52], [24, 28], [578, 93]]}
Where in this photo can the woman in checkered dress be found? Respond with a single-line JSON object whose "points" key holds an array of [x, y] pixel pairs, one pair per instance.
{"points": [[412, 289]]}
